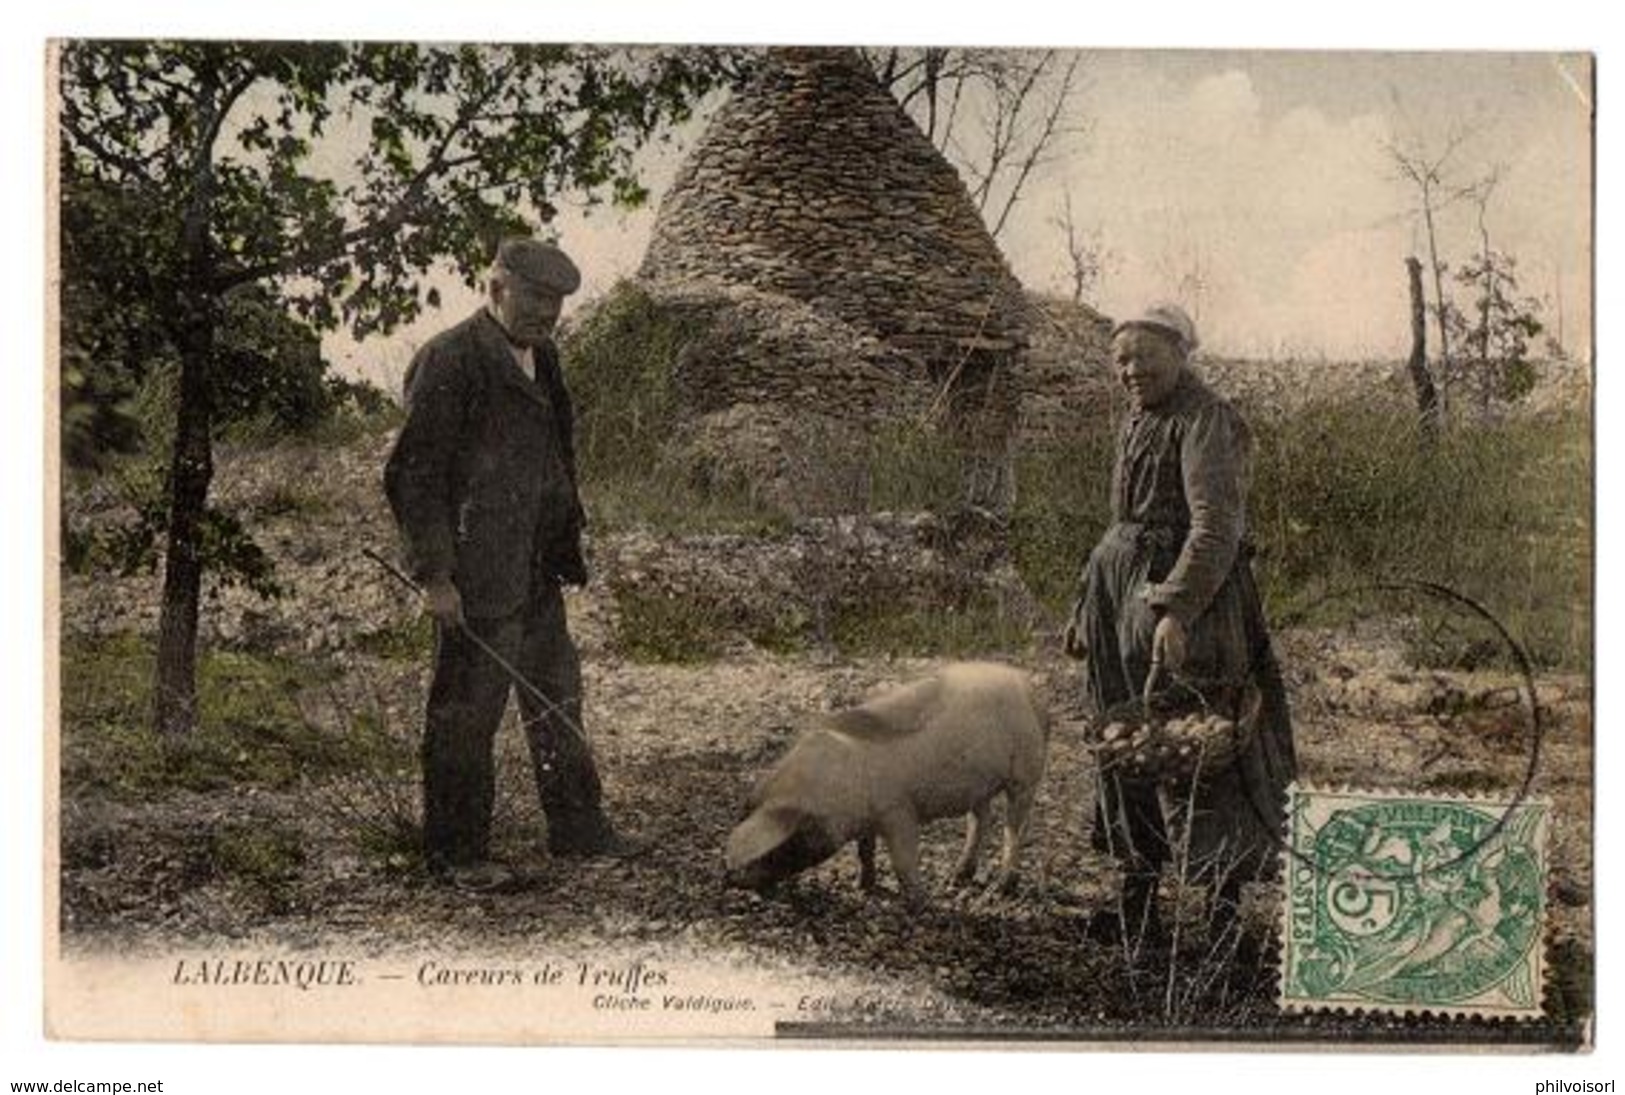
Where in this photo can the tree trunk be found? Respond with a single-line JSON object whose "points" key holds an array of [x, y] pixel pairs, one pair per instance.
{"points": [[1438, 296], [1557, 271], [1427, 397], [174, 692], [192, 468], [1485, 375]]}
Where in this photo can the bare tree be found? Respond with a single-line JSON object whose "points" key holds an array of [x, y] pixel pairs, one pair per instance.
{"points": [[916, 76], [1484, 344], [1427, 397], [1183, 263], [1479, 193], [1088, 257], [1500, 369], [998, 115], [1427, 172]]}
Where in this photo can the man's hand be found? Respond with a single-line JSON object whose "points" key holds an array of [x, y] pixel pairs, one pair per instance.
{"points": [[443, 601], [1168, 645], [571, 571]]}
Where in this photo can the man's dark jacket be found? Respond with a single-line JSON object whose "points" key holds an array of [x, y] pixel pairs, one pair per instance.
{"points": [[482, 477]]}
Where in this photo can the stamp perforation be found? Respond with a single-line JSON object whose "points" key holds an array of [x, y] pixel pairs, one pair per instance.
{"points": [[1491, 1002]]}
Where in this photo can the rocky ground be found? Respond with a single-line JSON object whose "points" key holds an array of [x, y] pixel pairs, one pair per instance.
{"points": [[326, 854]]}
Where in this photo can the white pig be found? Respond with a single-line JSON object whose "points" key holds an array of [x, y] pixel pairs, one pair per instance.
{"points": [[940, 746]]}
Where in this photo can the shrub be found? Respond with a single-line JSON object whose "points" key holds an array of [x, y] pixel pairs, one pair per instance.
{"points": [[619, 364], [911, 468], [1346, 495], [1062, 507], [656, 627], [374, 801]]}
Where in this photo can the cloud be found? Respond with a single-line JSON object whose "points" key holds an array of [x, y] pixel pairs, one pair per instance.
{"points": [[1223, 109], [1283, 215]]}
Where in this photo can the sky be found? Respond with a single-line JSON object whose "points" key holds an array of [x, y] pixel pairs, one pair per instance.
{"points": [[1266, 171]]}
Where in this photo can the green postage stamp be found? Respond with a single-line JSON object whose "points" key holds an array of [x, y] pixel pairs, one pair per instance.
{"points": [[1415, 903]]}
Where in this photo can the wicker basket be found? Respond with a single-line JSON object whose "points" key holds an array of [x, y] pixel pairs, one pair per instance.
{"points": [[1178, 734]]}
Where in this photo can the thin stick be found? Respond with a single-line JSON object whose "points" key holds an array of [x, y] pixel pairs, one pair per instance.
{"points": [[514, 675]]}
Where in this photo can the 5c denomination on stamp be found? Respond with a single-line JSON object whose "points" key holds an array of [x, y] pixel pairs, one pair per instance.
{"points": [[1408, 903]]}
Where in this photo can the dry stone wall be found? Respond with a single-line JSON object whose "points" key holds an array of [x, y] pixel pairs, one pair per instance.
{"points": [[756, 347], [840, 280], [813, 183], [844, 279], [1065, 379], [827, 577]]}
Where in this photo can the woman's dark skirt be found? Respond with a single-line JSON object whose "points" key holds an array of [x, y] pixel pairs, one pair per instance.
{"points": [[1236, 810]]}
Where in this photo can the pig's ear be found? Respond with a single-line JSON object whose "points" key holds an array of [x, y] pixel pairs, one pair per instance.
{"points": [[759, 834]]}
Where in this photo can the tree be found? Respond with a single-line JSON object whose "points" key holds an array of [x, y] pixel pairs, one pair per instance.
{"points": [[1427, 396], [1088, 257], [1427, 171], [1184, 262], [268, 370], [1485, 346], [191, 170], [1499, 368], [1019, 102], [110, 336]]}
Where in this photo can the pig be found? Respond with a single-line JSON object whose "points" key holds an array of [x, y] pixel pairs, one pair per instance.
{"points": [[943, 745]]}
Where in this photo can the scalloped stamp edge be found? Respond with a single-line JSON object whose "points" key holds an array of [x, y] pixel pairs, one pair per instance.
{"points": [[1491, 1003]]}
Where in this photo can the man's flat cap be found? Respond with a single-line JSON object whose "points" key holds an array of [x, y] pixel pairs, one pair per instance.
{"points": [[540, 265], [1166, 317]]}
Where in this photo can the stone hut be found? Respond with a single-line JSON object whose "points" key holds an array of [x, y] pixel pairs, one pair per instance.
{"points": [[1065, 379], [844, 282]]}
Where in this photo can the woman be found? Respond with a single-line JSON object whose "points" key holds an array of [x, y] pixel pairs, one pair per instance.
{"points": [[1168, 594]]}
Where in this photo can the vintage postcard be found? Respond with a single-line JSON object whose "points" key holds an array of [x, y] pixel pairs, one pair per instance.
{"points": [[580, 544]]}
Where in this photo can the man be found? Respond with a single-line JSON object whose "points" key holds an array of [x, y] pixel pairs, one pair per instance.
{"points": [[482, 482], [1168, 595]]}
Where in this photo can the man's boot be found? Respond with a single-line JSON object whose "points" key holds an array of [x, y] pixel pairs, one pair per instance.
{"points": [[588, 835]]}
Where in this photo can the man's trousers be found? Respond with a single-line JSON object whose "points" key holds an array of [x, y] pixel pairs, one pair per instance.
{"points": [[467, 698]]}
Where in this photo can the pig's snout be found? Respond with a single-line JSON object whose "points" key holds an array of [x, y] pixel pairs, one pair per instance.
{"points": [[749, 877], [808, 845]]}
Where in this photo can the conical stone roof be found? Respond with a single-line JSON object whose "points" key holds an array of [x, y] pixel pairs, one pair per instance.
{"points": [[813, 183]]}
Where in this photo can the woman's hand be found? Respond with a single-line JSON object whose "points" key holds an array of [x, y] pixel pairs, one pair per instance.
{"points": [[1072, 642], [1168, 645]]}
